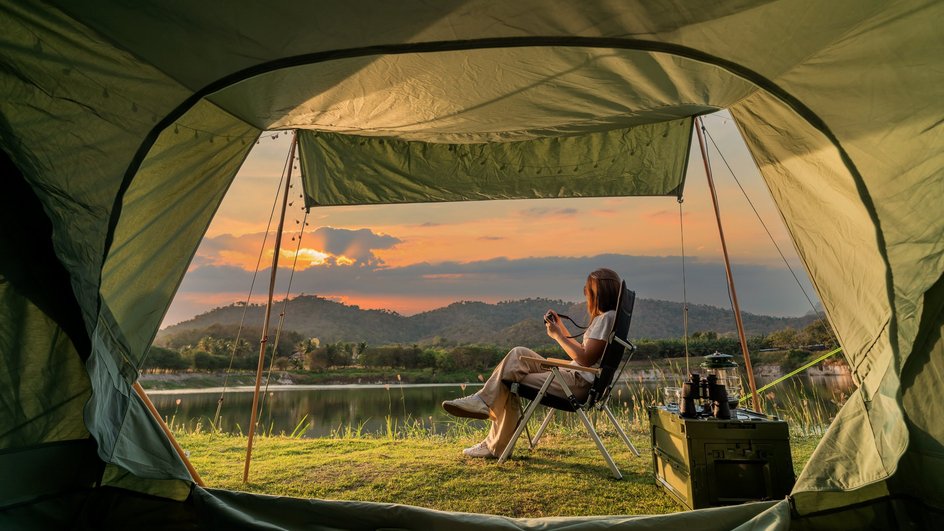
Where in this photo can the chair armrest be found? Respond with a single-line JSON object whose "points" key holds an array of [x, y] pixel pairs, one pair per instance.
{"points": [[546, 364]]}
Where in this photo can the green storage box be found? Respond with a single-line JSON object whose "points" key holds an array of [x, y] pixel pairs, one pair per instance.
{"points": [[707, 462]]}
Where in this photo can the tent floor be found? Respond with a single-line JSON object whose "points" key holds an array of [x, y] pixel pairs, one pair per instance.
{"points": [[103, 508]]}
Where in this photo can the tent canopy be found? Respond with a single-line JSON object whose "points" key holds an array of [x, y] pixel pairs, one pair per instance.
{"points": [[125, 124]]}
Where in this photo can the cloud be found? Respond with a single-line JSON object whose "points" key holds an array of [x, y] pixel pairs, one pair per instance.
{"points": [[549, 212], [440, 276], [606, 212], [357, 245], [324, 246], [663, 216], [761, 289]]}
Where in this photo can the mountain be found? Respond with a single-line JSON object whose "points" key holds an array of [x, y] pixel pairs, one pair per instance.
{"points": [[505, 323]]}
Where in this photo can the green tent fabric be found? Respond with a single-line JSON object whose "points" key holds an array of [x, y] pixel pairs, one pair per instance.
{"points": [[592, 165], [123, 125]]}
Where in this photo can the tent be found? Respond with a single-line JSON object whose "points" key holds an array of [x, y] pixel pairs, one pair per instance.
{"points": [[123, 123]]}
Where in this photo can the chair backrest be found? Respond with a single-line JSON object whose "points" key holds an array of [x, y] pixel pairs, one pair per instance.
{"points": [[615, 351]]}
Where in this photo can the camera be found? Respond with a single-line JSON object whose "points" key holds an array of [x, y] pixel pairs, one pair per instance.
{"points": [[549, 317]]}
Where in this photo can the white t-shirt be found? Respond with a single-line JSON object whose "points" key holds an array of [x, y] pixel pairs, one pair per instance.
{"points": [[600, 328]]}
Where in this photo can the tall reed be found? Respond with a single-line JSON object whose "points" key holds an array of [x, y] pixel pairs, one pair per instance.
{"points": [[805, 408]]}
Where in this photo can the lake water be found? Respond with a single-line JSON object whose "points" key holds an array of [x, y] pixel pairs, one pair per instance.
{"points": [[329, 409]]}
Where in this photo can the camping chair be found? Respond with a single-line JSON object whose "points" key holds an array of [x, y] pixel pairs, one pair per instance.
{"points": [[614, 361]]}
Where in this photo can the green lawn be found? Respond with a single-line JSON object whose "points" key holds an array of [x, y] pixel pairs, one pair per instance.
{"points": [[564, 476]]}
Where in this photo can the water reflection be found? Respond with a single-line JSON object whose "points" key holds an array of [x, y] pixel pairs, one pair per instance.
{"points": [[331, 409], [328, 408]]}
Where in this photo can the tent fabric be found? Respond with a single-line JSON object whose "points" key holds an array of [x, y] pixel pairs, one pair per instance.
{"points": [[42, 375], [42, 336], [807, 203], [164, 217], [110, 508], [585, 86], [645, 160], [239, 510], [127, 123]]}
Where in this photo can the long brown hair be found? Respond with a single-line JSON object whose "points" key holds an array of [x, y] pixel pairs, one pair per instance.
{"points": [[602, 291]]}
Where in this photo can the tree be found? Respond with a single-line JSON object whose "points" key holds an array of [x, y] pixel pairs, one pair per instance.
{"points": [[784, 339], [306, 350], [356, 351], [707, 335], [817, 333], [203, 360], [165, 358]]}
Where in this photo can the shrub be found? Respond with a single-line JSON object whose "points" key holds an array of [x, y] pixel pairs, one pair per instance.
{"points": [[444, 360], [205, 361], [165, 358], [794, 359], [476, 357]]}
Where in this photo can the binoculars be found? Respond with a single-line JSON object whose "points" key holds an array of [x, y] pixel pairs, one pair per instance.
{"points": [[549, 317], [714, 398]]}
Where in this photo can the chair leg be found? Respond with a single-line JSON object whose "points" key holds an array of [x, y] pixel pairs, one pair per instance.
{"points": [[527, 432], [619, 430], [596, 439], [547, 420], [523, 421]]}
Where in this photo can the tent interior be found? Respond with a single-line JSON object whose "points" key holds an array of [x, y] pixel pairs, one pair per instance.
{"points": [[123, 126]]}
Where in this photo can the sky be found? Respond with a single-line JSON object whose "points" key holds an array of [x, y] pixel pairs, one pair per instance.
{"points": [[414, 258]]}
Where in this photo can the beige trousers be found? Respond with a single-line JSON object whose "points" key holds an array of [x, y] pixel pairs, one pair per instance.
{"points": [[505, 408]]}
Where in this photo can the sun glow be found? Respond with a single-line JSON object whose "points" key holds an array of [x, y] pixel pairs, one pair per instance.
{"points": [[306, 258]]}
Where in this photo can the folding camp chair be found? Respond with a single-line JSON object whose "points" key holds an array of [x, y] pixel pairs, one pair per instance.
{"points": [[617, 353]]}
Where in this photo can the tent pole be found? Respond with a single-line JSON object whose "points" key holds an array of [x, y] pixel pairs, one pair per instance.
{"points": [[170, 436], [268, 310], [755, 403]]}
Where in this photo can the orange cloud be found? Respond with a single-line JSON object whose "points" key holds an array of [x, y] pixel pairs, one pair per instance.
{"points": [[663, 216], [305, 258], [323, 246]]}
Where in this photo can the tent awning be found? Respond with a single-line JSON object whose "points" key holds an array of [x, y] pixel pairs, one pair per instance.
{"points": [[645, 160]]}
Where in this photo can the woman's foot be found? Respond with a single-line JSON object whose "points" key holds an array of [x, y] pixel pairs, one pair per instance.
{"points": [[471, 406], [479, 450]]}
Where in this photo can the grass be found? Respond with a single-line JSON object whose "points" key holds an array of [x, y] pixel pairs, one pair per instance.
{"points": [[418, 463], [804, 408], [564, 476]]}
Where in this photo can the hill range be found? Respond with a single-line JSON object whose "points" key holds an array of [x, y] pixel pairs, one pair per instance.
{"points": [[508, 323]]}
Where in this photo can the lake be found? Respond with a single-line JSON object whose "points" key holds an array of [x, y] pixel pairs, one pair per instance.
{"points": [[330, 409]]}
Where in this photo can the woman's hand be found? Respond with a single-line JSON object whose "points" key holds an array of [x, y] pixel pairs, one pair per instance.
{"points": [[555, 328], [558, 332]]}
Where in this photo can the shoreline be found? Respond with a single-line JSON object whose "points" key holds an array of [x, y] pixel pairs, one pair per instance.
{"points": [[301, 387], [191, 382]]}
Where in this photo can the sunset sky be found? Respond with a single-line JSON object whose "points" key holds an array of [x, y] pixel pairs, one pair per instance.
{"points": [[413, 258]]}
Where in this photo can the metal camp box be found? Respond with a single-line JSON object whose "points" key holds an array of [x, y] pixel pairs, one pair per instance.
{"points": [[706, 462]]}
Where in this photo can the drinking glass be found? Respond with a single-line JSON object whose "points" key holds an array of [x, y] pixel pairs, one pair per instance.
{"points": [[672, 396], [732, 384]]}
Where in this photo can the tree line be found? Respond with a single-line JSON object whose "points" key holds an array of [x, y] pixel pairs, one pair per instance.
{"points": [[223, 347]]}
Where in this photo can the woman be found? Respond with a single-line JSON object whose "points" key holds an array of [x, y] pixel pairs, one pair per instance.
{"points": [[495, 401]]}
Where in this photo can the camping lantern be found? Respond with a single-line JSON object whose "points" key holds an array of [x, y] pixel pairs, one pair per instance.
{"points": [[726, 370]]}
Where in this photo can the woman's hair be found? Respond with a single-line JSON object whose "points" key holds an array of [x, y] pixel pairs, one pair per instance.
{"points": [[602, 290]]}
